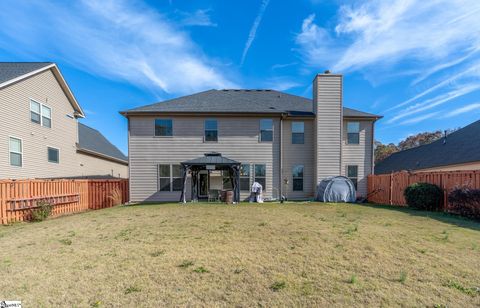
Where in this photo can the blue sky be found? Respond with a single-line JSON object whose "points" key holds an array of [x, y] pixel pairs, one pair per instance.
{"points": [[415, 62]]}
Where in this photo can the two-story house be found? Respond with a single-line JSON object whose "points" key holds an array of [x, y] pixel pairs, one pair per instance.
{"points": [[285, 142], [40, 136]]}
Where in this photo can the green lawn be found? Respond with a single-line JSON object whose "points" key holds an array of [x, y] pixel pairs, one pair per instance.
{"points": [[296, 254]]}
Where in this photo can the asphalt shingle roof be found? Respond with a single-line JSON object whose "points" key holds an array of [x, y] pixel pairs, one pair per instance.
{"points": [[211, 159], [241, 101], [12, 70], [461, 146], [92, 140]]}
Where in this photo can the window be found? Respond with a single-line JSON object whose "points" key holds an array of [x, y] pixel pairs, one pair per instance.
{"points": [[35, 112], [164, 177], [297, 178], [260, 175], [46, 116], [227, 183], [53, 155], [298, 133], [40, 114], [170, 177], [245, 177], [352, 174], [266, 130], [177, 178], [211, 130], [163, 127], [16, 152], [353, 131]]}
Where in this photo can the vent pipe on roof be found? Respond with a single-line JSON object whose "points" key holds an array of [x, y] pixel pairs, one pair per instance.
{"points": [[445, 137], [327, 72]]}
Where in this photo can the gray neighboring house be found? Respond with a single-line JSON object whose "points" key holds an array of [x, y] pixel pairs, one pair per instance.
{"points": [[459, 150], [285, 142], [40, 136]]}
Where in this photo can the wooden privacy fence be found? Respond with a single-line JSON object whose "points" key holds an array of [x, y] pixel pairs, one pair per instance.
{"points": [[19, 197], [388, 188]]}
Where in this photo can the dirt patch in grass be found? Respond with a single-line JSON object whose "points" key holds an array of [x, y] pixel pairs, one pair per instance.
{"points": [[306, 254]]}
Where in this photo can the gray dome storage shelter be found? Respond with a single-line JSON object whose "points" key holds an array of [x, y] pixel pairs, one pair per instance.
{"points": [[336, 189]]}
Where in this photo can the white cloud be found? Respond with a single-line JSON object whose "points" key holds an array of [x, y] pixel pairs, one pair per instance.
{"points": [[118, 40], [200, 17], [433, 42], [253, 30], [462, 110], [420, 118]]}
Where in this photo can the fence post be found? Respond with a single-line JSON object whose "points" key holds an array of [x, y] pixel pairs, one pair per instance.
{"points": [[390, 191]]}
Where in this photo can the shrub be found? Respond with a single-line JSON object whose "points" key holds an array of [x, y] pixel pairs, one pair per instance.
{"points": [[465, 201], [116, 196], [424, 196], [43, 210]]}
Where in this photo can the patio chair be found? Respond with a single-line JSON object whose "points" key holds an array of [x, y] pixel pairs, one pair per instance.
{"points": [[213, 195]]}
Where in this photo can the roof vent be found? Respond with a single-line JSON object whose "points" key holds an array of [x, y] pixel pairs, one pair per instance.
{"points": [[271, 108], [327, 72], [212, 154], [445, 137]]}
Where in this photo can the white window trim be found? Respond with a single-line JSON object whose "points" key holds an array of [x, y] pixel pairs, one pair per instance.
{"points": [[171, 177], [41, 113], [297, 177], [303, 132], [154, 130], [260, 177], [205, 130], [260, 131], [353, 177], [359, 129], [58, 150], [10, 151]]}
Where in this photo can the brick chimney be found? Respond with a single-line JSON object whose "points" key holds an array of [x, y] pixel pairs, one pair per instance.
{"points": [[327, 106]]}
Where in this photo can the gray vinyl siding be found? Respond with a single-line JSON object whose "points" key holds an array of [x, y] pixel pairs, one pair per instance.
{"points": [[93, 165], [327, 98], [238, 139], [63, 135], [298, 154], [15, 121], [359, 154]]}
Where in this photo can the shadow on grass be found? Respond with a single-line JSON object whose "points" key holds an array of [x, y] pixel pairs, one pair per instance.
{"points": [[440, 216]]}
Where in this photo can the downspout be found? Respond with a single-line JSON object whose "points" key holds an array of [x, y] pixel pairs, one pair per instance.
{"points": [[281, 158]]}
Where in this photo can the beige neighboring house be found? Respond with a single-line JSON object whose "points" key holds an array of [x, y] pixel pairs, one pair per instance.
{"points": [[40, 136], [285, 142]]}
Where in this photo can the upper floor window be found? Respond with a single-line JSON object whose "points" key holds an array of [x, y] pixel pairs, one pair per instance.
{"points": [[40, 114], [266, 130], [297, 175], [261, 175], [16, 152], [211, 130], [298, 133], [35, 112], [352, 174], [46, 116], [53, 155], [164, 127], [353, 132]]}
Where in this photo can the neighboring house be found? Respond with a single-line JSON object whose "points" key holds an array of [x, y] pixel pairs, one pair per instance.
{"points": [[275, 136], [40, 136], [459, 150]]}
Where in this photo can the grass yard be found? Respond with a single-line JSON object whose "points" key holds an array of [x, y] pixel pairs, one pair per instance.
{"points": [[298, 254]]}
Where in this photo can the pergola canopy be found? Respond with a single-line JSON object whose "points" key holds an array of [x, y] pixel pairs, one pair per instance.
{"points": [[210, 161], [211, 158]]}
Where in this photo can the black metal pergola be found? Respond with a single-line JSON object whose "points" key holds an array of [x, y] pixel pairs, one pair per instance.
{"points": [[210, 161]]}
